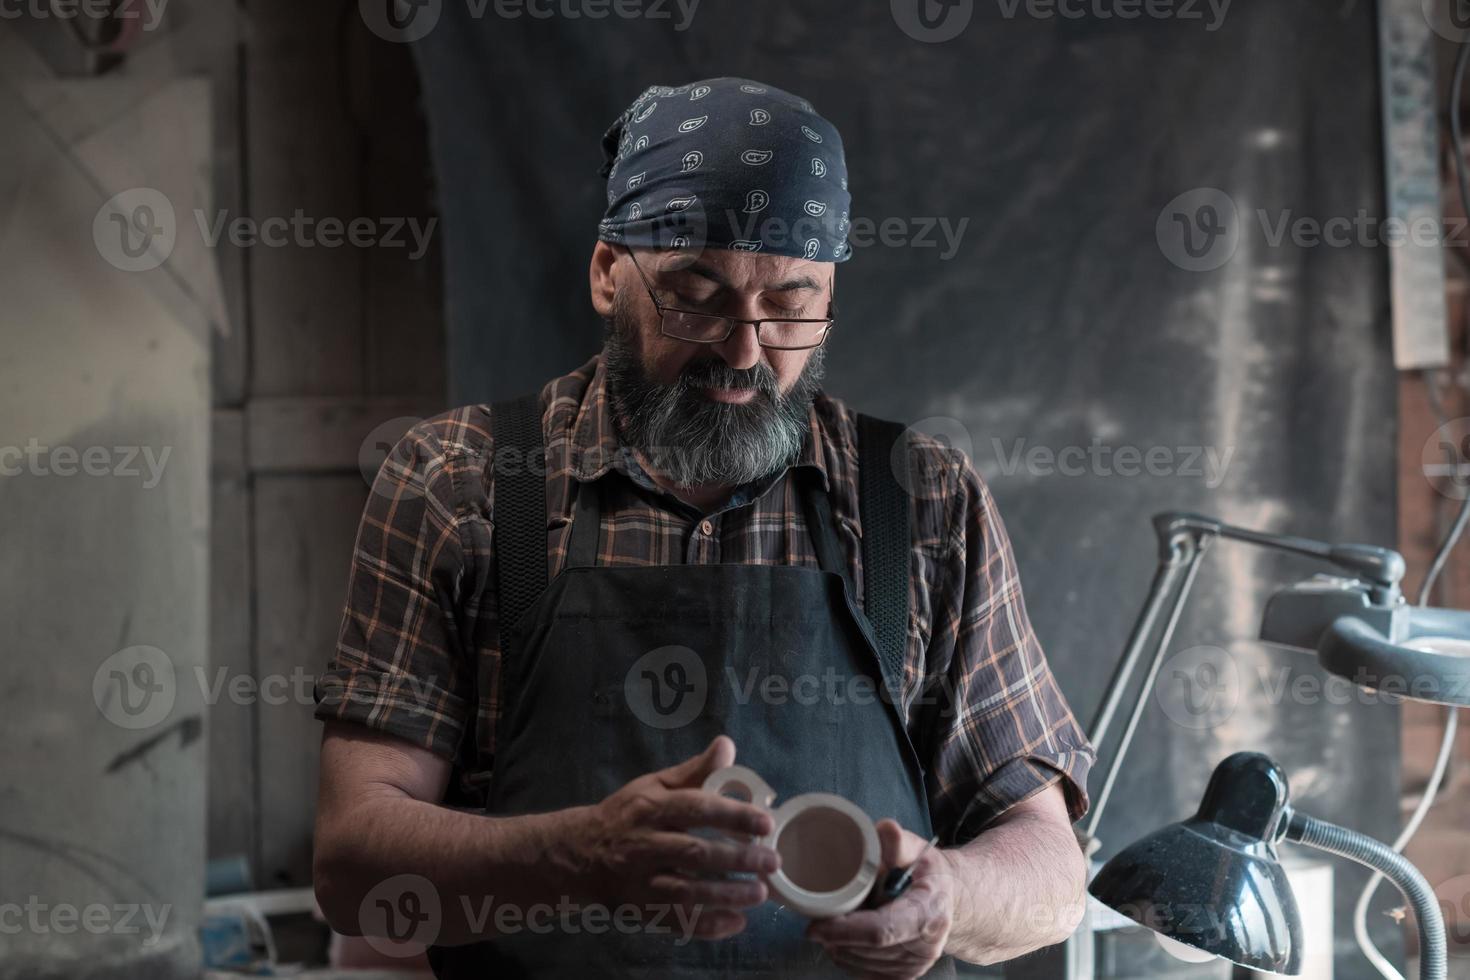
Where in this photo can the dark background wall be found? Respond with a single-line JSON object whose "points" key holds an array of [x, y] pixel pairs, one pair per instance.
{"points": [[1064, 318]]}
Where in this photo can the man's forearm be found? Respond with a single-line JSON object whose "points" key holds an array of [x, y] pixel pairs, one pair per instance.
{"points": [[476, 864], [1019, 886]]}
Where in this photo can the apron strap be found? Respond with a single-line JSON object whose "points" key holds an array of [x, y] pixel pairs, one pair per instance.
{"points": [[520, 509], [883, 503], [816, 507], [586, 526]]}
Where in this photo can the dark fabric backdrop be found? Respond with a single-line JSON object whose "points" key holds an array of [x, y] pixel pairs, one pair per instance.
{"points": [[1059, 322]]}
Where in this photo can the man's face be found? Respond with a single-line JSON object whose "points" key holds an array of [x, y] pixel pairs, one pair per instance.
{"points": [[745, 285], [713, 413]]}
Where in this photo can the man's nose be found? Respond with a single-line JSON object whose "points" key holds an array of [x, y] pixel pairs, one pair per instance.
{"points": [[741, 350]]}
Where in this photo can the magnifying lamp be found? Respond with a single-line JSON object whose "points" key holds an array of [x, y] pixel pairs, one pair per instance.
{"points": [[1418, 652]]}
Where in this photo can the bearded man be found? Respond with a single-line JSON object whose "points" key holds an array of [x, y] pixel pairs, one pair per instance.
{"points": [[568, 610]]}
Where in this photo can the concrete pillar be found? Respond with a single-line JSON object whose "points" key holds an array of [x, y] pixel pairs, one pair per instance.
{"points": [[104, 415]]}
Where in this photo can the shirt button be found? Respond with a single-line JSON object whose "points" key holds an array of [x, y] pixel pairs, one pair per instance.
{"points": [[707, 527]]}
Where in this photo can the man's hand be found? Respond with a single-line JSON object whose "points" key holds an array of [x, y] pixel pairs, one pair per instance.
{"points": [[905, 937], [635, 847], [378, 818], [1015, 888]]}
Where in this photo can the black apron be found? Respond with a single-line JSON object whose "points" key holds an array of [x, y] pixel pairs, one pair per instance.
{"points": [[611, 673]]}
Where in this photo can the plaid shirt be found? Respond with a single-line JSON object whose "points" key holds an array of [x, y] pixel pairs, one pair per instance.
{"points": [[419, 648]]}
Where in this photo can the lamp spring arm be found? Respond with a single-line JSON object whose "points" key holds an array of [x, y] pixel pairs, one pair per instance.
{"points": [[1396, 868]]}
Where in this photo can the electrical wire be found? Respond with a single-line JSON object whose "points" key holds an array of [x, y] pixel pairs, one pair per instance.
{"points": [[1436, 777], [1431, 577], [1441, 762], [1442, 556], [1360, 911]]}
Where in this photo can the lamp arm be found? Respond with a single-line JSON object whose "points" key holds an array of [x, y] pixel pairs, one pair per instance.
{"points": [[1366, 851], [1182, 538], [1171, 568], [1199, 523], [1182, 561], [1383, 567]]}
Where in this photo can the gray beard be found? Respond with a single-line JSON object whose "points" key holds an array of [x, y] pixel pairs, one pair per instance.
{"points": [[690, 439]]}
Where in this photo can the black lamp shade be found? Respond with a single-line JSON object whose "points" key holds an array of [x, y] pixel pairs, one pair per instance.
{"points": [[1214, 882]]}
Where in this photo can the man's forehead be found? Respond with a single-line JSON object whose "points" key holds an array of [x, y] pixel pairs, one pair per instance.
{"points": [[739, 269]]}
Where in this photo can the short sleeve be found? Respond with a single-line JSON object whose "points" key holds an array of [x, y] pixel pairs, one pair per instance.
{"points": [[1003, 730], [400, 667]]}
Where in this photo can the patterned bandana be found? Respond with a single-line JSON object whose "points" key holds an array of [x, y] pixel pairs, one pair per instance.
{"points": [[726, 163]]}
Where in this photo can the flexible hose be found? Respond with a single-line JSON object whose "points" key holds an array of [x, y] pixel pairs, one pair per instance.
{"points": [[1366, 851]]}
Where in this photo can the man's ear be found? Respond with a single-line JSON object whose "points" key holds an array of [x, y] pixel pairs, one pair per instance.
{"points": [[600, 278]]}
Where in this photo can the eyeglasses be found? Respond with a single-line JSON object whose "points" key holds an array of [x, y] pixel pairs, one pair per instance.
{"points": [[710, 328]]}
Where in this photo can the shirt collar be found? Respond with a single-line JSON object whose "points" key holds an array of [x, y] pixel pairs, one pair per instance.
{"points": [[597, 448]]}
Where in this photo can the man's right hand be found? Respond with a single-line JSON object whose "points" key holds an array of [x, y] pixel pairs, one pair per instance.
{"points": [[635, 847]]}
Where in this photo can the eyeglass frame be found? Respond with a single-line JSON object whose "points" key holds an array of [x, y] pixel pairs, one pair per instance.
{"points": [[734, 321]]}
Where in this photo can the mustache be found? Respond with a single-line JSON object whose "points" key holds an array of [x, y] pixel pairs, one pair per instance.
{"points": [[714, 372]]}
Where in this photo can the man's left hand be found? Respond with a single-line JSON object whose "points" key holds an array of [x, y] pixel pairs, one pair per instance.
{"points": [[905, 937]]}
